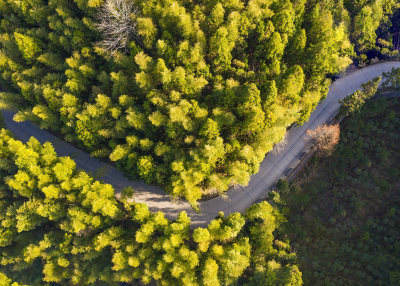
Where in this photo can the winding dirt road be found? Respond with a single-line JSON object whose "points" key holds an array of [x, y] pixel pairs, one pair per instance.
{"points": [[272, 168]]}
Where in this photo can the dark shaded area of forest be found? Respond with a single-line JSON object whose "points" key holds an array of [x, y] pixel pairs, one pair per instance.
{"points": [[343, 211]]}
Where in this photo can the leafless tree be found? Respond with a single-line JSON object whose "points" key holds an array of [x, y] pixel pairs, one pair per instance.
{"points": [[117, 25], [325, 138]]}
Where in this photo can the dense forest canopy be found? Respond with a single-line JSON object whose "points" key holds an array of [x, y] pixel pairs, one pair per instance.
{"points": [[60, 226], [190, 95]]}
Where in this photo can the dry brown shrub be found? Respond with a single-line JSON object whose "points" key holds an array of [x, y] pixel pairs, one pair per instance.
{"points": [[325, 138]]}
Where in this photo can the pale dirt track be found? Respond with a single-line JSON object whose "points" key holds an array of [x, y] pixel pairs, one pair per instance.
{"points": [[271, 169]]}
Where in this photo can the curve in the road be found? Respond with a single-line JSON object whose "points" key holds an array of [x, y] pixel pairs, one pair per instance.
{"points": [[272, 168]]}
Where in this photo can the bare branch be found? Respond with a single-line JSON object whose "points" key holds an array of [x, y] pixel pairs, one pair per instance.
{"points": [[116, 23]]}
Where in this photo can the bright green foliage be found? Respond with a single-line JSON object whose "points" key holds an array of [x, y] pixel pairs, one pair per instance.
{"points": [[27, 46], [392, 79], [365, 25], [343, 212], [203, 92], [60, 226], [354, 102], [210, 273], [371, 28], [5, 281]]}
